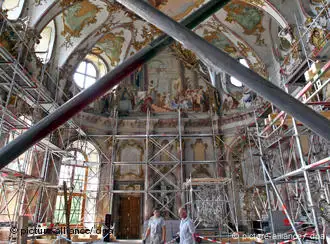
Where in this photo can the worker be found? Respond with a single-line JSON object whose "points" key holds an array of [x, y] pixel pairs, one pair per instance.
{"points": [[156, 229], [187, 228]]}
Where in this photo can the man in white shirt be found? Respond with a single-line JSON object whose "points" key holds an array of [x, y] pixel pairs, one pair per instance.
{"points": [[187, 228], [156, 229]]}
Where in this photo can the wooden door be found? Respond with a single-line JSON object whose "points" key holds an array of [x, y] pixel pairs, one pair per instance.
{"points": [[129, 218]]}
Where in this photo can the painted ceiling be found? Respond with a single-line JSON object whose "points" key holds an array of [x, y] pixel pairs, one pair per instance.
{"points": [[243, 28]]}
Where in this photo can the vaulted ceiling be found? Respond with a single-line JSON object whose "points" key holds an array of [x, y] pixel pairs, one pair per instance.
{"points": [[243, 28]]}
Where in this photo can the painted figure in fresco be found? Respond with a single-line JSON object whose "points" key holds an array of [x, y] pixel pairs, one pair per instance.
{"points": [[152, 90], [229, 102], [158, 100], [178, 86], [189, 98], [147, 104], [162, 100], [185, 99], [200, 98], [317, 38], [286, 34], [168, 100], [174, 105]]}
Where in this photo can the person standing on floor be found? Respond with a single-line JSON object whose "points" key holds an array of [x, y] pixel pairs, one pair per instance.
{"points": [[156, 229], [187, 228]]}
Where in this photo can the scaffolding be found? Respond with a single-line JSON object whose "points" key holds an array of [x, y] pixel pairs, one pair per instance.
{"points": [[164, 164], [304, 45], [297, 183], [293, 160], [30, 184], [210, 205]]}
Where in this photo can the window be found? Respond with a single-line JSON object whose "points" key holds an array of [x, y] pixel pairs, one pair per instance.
{"points": [[99, 63], [14, 8], [80, 172], [233, 80], [45, 47], [86, 74]]}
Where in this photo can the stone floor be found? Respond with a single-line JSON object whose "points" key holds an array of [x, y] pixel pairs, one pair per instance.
{"points": [[118, 241]]}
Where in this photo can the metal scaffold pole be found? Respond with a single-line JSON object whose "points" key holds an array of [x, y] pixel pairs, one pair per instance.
{"points": [[307, 182], [113, 160], [265, 178], [146, 160], [181, 157], [281, 201]]}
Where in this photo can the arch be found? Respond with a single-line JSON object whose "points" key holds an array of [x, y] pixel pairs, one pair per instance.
{"points": [[87, 148], [49, 14], [80, 170], [270, 9]]}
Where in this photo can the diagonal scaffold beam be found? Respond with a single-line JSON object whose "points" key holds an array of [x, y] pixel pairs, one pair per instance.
{"points": [[81, 100], [220, 61]]}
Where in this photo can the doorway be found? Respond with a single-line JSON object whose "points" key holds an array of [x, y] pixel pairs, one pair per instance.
{"points": [[129, 217]]}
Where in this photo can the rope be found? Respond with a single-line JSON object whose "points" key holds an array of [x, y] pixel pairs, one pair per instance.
{"points": [[210, 240]]}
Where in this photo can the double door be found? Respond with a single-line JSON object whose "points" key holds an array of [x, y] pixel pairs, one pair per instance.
{"points": [[129, 221]]}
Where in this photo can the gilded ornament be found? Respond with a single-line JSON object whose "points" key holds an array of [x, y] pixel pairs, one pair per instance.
{"points": [[77, 17], [149, 33], [187, 56], [259, 3]]}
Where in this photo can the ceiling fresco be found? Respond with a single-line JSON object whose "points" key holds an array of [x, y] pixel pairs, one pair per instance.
{"points": [[251, 29], [77, 17], [219, 35], [219, 40], [81, 15], [111, 45], [177, 9], [241, 28], [131, 34], [249, 18], [270, 9], [76, 23]]}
